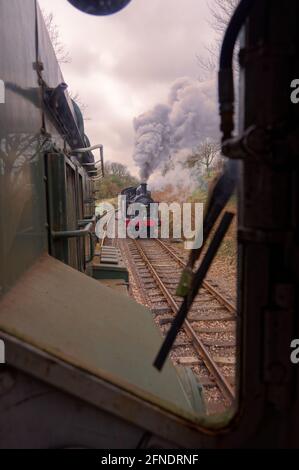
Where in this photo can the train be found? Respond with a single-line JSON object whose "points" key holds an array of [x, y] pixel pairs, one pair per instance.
{"points": [[141, 195], [80, 355], [76, 352]]}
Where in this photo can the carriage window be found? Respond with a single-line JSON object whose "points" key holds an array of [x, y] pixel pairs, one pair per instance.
{"points": [[150, 286], [176, 218]]}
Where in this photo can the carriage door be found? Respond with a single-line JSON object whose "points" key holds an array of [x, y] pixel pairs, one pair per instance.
{"points": [[64, 212]]}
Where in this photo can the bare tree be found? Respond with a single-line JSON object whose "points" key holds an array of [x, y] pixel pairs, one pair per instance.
{"points": [[169, 165], [116, 169], [117, 177], [204, 155], [221, 11], [83, 106], [62, 54]]}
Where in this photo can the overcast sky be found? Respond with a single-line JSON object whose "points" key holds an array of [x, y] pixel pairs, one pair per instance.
{"points": [[122, 65]]}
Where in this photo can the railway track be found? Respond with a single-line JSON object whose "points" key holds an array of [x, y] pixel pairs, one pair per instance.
{"points": [[207, 342]]}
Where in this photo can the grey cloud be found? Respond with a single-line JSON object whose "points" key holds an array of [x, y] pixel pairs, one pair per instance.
{"points": [[142, 50]]}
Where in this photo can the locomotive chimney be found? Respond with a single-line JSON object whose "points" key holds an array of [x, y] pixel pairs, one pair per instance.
{"points": [[143, 188]]}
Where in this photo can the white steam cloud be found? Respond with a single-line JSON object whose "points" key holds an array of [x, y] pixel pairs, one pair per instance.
{"points": [[177, 177], [189, 117]]}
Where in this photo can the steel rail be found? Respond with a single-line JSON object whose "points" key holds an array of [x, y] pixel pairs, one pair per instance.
{"points": [[211, 365], [228, 305]]}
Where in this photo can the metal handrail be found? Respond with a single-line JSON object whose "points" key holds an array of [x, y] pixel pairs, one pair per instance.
{"points": [[73, 233], [98, 162], [83, 222], [97, 178], [86, 232]]}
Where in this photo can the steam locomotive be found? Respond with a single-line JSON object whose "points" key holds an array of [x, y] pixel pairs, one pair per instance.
{"points": [[141, 195]]}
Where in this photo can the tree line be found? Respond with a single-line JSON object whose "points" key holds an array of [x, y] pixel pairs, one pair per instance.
{"points": [[117, 178]]}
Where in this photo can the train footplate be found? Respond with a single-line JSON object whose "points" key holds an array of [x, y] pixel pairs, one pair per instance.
{"points": [[79, 323]]}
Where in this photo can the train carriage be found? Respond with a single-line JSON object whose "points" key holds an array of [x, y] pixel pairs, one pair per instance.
{"points": [[79, 357]]}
